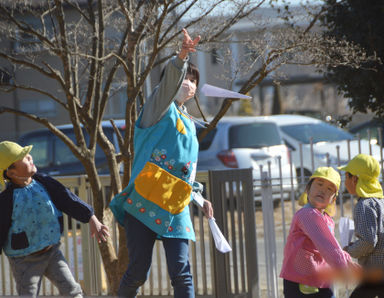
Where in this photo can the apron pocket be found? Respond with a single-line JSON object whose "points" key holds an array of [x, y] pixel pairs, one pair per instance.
{"points": [[163, 189], [19, 241]]}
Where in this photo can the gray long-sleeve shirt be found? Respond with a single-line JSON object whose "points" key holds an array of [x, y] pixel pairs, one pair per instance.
{"points": [[369, 231], [164, 94]]}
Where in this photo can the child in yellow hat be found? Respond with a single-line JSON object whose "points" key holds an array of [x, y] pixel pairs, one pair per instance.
{"points": [[361, 179], [311, 248], [31, 223]]}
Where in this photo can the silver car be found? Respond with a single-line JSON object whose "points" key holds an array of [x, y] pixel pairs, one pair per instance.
{"points": [[250, 142]]}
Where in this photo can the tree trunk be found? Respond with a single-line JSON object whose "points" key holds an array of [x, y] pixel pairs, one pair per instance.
{"points": [[277, 107]]}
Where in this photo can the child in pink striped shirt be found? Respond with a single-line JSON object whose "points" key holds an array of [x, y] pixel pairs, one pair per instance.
{"points": [[311, 248]]}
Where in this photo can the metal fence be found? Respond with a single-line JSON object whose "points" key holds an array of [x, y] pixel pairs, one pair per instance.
{"points": [[214, 274], [257, 237]]}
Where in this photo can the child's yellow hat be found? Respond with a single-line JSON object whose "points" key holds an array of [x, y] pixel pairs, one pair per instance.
{"points": [[332, 176], [9, 153], [367, 168], [327, 173]]}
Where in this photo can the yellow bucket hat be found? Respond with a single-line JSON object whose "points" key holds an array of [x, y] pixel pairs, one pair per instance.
{"points": [[367, 168], [9, 153], [327, 173]]}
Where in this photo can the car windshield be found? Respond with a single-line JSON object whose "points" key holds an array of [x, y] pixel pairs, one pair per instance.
{"points": [[254, 135], [319, 132]]}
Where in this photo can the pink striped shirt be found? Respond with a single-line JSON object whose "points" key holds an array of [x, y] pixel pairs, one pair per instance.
{"points": [[311, 247]]}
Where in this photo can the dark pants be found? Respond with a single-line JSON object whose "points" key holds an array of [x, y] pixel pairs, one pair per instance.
{"points": [[140, 242], [368, 290], [291, 290]]}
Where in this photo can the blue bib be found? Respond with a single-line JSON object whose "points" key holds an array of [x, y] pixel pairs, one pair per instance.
{"points": [[35, 223]]}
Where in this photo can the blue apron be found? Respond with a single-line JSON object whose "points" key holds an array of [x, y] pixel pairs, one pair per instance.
{"points": [[160, 188]]}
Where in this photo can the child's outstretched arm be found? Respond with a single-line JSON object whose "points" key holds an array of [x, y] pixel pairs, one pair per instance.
{"points": [[98, 229]]}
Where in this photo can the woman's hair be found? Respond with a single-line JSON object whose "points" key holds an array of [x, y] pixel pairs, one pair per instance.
{"points": [[194, 72], [191, 71]]}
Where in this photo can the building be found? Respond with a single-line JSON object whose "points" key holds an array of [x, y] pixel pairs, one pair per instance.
{"points": [[300, 86]]}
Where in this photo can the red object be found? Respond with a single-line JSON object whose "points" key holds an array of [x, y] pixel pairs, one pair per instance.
{"points": [[228, 158]]}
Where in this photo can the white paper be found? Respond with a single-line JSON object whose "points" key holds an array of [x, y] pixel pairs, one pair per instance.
{"points": [[209, 90], [198, 198], [221, 243], [346, 229]]}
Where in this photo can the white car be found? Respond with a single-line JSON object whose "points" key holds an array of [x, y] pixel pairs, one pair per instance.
{"points": [[249, 142], [322, 144]]}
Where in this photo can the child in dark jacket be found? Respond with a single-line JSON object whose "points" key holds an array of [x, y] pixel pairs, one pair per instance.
{"points": [[31, 223], [362, 180]]}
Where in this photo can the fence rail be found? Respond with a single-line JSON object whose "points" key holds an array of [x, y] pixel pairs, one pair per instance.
{"points": [[85, 261]]}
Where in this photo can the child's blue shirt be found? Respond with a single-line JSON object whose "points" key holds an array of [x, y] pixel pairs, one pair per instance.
{"points": [[60, 196], [35, 222]]}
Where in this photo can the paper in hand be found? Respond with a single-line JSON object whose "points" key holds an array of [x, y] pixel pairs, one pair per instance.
{"points": [[346, 229], [198, 198], [221, 243], [209, 90]]}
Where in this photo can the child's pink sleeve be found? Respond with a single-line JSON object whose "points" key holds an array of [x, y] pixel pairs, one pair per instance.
{"points": [[315, 226]]}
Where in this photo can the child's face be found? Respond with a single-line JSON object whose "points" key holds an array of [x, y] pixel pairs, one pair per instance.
{"points": [[321, 193], [350, 183], [23, 168]]}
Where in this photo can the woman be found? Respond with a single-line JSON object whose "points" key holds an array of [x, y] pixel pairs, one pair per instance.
{"points": [[154, 205]]}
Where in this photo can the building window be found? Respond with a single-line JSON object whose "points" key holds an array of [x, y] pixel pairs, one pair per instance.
{"points": [[39, 107], [116, 104], [26, 42], [250, 53], [215, 56]]}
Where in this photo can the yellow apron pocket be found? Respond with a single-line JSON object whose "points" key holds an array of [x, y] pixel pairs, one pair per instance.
{"points": [[162, 188]]}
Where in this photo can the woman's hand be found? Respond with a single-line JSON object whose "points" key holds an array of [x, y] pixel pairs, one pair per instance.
{"points": [[207, 209], [98, 229], [188, 45]]}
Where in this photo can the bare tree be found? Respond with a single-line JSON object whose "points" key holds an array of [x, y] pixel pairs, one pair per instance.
{"points": [[91, 49]]}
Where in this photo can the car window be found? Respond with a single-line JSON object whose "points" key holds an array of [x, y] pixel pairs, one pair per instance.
{"points": [[40, 150], [373, 130], [319, 132], [207, 141], [254, 135], [62, 153]]}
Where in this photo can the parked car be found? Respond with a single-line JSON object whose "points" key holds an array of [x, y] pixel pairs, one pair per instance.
{"points": [[371, 128], [325, 138], [244, 142], [53, 157]]}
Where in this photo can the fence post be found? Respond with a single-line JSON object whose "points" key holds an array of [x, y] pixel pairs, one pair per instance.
{"points": [[220, 280], [269, 235], [85, 242], [220, 182]]}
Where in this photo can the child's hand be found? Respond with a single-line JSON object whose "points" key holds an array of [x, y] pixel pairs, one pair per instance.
{"points": [[207, 209], [98, 229]]}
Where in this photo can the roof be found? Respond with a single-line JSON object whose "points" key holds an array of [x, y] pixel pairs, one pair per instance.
{"points": [[292, 119], [243, 119], [104, 123], [120, 123]]}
